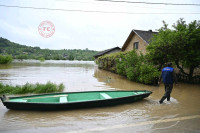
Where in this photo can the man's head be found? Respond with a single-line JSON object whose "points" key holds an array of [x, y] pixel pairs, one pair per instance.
{"points": [[169, 64]]}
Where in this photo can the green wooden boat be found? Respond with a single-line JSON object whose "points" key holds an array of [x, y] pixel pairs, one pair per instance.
{"points": [[73, 100]]}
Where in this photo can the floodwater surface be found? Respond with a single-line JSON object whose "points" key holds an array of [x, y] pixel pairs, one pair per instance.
{"points": [[181, 114]]}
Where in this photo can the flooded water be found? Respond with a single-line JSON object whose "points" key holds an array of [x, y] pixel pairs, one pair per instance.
{"points": [[181, 114]]}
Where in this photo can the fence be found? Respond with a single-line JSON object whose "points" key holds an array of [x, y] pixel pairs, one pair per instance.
{"points": [[184, 78]]}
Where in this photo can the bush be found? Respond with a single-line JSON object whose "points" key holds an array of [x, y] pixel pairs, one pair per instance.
{"points": [[42, 59], [133, 73], [108, 62], [135, 67], [4, 59], [148, 73], [121, 65]]}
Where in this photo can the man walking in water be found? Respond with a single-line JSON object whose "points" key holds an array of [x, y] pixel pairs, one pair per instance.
{"points": [[169, 77]]}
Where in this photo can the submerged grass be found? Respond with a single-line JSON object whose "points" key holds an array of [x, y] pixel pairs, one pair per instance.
{"points": [[31, 88]]}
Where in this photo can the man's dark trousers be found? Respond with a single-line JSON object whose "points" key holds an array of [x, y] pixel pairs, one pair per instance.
{"points": [[168, 90]]}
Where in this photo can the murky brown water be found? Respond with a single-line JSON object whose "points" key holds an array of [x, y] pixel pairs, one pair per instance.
{"points": [[182, 114]]}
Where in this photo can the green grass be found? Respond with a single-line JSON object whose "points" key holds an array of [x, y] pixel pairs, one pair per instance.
{"points": [[49, 87]]}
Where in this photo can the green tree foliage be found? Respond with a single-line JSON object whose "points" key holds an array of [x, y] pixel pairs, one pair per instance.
{"points": [[4, 59], [71, 57], [108, 61], [135, 67], [180, 45], [26, 52], [121, 64]]}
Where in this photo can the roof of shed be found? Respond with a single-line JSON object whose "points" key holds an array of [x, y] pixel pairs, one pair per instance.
{"points": [[106, 51]]}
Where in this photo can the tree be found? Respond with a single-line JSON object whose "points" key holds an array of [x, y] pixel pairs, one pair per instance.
{"points": [[71, 57], [180, 45], [190, 54], [160, 47]]}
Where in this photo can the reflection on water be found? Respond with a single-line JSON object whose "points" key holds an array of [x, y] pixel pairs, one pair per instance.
{"points": [[85, 76], [118, 82]]}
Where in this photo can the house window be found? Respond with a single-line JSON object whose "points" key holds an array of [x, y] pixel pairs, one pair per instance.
{"points": [[135, 45]]}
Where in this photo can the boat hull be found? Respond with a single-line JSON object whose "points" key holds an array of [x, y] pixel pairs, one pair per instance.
{"points": [[73, 105]]}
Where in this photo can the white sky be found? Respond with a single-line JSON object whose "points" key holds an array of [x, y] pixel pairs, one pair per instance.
{"points": [[92, 30]]}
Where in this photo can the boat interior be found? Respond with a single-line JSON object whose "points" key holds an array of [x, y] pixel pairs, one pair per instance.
{"points": [[74, 97]]}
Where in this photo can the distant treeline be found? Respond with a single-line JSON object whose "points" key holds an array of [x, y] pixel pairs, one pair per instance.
{"points": [[27, 52]]}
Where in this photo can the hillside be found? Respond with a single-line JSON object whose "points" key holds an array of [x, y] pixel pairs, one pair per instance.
{"points": [[19, 51]]}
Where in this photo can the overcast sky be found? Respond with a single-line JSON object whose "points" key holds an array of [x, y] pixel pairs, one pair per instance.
{"points": [[93, 30]]}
